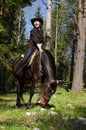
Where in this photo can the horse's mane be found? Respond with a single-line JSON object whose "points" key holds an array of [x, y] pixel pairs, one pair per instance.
{"points": [[48, 63]]}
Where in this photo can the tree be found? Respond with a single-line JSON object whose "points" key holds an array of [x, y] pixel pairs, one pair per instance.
{"points": [[9, 10], [56, 36], [58, 44], [48, 24], [38, 12], [79, 56], [20, 28]]}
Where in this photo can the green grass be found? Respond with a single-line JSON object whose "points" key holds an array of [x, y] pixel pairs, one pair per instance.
{"points": [[68, 106]]}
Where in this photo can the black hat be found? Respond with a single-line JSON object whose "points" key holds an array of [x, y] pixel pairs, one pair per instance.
{"points": [[36, 19]]}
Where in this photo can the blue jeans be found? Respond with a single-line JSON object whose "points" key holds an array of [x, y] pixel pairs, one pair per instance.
{"points": [[28, 53]]}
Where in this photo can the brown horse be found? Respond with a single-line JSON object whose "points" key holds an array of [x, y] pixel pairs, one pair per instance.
{"points": [[42, 68]]}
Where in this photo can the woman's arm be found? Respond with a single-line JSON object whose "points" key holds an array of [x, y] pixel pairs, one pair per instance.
{"points": [[36, 40]]}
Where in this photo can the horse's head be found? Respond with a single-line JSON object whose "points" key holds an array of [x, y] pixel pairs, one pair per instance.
{"points": [[47, 90]]}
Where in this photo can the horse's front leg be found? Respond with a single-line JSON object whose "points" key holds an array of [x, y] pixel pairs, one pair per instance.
{"points": [[31, 93], [19, 85], [18, 102], [21, 91]]}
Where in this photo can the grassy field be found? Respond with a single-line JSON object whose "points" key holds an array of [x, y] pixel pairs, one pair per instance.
{"points": [[67, 113]]}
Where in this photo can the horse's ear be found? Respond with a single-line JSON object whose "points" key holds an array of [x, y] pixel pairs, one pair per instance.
{"points": [[54, 82], [54, 85]]}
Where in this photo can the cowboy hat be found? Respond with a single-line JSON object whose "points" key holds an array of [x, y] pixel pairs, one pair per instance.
{"points": [[36, 19]]}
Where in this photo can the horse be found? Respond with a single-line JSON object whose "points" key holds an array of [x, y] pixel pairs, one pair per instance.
{"points": [[43, 69]]}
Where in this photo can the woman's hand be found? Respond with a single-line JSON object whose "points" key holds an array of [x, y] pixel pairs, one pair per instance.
{"points": [[40, 47]]}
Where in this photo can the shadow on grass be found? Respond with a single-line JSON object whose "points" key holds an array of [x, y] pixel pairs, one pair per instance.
{"points": [[34, 105], [6, 100], [48, 106], [10, 123], [65, 122], [46, 121], [6, 103], [81, 111]]}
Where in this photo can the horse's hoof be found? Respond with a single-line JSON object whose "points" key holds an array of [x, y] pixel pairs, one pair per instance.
{"points": [[18, 105], [27, 106], [43, 106]]}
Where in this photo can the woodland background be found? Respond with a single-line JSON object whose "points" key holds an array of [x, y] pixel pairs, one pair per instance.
{"points": [[65, 37]]}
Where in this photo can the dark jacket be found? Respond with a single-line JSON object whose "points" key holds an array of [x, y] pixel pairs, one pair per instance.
{"points": [[36, 36]]}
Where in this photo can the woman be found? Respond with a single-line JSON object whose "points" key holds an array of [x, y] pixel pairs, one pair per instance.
{"points": [[35, 41]]}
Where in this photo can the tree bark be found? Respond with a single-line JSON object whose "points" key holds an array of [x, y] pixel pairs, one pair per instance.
{"points": [[79, 56], [72, 59], [1, 11], [56, 38], [48, 24], [2, 79]]}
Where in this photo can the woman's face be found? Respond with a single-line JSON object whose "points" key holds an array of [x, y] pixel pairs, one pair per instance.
{"points": [[37, 24]]}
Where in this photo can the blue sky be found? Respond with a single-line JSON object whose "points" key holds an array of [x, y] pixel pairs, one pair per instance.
{"points": [[29, 12]]}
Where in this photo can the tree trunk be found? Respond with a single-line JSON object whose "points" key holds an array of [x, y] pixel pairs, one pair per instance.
{"points": [[79, 56], [11, 23], [1, 11], [19, 26], [2, 79], [56, 38], [48, 24], [84, 20], [72, 59]]}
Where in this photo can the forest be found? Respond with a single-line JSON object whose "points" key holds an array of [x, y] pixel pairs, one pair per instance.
{"points": [[65, 37]]}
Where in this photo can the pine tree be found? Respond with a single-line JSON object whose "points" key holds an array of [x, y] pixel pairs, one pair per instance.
{"points": [[38, 12], [20, 30], [9, 10]]}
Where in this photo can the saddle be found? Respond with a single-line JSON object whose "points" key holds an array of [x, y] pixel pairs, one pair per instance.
{"points": [[31, 58]]}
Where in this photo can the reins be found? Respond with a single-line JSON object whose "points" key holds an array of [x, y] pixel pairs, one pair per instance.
{"points": [[39, 71], [39, 67]]}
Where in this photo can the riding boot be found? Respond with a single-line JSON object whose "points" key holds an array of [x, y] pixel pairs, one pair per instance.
{"points": [[20, 70], [24, 62]]}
